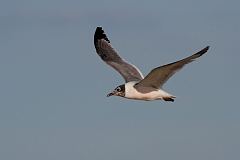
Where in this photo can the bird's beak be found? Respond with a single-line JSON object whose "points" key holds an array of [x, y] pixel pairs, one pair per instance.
{"points": [[111, 94]]}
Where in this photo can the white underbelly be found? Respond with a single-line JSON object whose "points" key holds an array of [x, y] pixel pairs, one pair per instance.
{"points": [[132, 93], [158, 94]]}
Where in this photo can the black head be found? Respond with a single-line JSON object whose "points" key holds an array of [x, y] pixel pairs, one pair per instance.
{"points": [[118, 91]]}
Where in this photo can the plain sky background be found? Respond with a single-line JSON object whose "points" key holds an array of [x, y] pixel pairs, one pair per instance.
{"points": [[53, 86]]}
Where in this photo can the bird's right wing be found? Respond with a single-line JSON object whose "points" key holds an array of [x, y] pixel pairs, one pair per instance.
{"points": [[158, 76], [104, 49]]}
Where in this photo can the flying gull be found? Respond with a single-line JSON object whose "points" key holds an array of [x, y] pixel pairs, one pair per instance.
{"points": [[136, 86]]}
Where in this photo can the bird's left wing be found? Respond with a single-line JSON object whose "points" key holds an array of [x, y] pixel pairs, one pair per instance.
{"points": [[104, 49], [158, 76]]}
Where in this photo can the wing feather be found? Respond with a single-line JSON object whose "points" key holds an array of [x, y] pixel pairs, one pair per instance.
{"points": [[158, 76], [104, 49]]}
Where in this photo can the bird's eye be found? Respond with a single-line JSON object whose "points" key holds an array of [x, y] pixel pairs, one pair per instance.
{"points": [[118, 89]]}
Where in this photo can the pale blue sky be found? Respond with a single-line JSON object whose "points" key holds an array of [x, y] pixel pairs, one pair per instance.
{"points": [[53, 86]]}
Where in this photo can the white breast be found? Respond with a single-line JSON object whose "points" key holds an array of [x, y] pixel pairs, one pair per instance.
{"points": [[132, 93]]}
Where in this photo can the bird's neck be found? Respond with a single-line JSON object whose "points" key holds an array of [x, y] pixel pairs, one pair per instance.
{"points": [[129, 89]]}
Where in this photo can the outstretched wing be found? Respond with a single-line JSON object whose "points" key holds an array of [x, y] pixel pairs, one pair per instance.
{"points": [[104, 49], [158, 76]]}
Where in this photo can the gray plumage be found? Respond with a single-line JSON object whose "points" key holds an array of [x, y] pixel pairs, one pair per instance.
{"points": [[136, 86], [111, 57], [158, 76]]}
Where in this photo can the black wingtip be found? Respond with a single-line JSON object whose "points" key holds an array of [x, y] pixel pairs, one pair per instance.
{"points": [[99, 34], [204, 50]]}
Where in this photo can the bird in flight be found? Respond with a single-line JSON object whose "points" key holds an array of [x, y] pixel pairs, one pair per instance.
{"points": [[136, 86]]}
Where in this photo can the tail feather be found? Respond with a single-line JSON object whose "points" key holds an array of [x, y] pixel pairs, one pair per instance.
{"points": [[168, 99]]}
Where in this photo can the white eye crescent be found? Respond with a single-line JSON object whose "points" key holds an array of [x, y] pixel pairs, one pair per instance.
{"points": [[118, 89]]}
